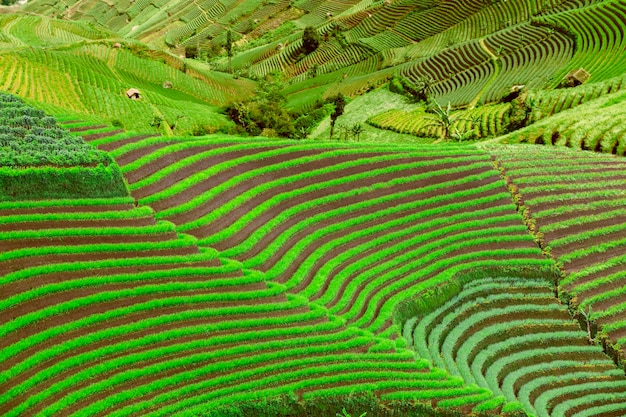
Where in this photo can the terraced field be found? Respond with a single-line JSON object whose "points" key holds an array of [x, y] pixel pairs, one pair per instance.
{"points": [[144, 321], [226, 274], [512, 337], [576, 200]]}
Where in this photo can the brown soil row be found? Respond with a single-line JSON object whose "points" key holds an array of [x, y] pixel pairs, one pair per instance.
{"points": [[119, 143], [583, 227], [37, 260], [548, 205], [84, 128], [95, 309], [561, 250], [66, 209], [178, 341], [241, 210], [36, 281], [597, 186], [70, 223], [287, 372], [593, 259], [14, 244], [174, 157], [173, 371], [266, 240], [133, 155], [107, 134], [200, 166]]}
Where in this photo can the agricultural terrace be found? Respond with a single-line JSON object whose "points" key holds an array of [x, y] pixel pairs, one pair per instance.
{"points": [[575, 202], [512, 337], [355, 229], [107, 311], [89, 78], [593, 125]]}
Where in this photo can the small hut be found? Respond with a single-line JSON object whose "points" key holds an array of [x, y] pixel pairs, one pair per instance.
{"points": [[133, 94], [117, 45], [168, 84], [575, 77]]}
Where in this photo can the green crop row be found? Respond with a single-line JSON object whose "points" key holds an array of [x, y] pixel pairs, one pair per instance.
{"points": [[159, 228], [590, 234], [384, 302], [203, 198], [309, 381], [415, 243], [408, 219], [443, 340], [180, 242], [137, 277], [588, 218], [403, 245], [161, 320], [598, 282], [135, 213], [107, 296], [246, 368], [545, 401], [286, 165], [327, 215], [246, 341], [573, 208], [285, 215], [239, 331], [602, 409], [498, 370], [54, 183], [73, 202], [618, 402], [51, 268], [544, 382], [602, 247]]}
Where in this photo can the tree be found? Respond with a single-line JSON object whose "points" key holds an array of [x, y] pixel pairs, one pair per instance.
{"points": [[229, 49], [310, 39], [191, 52], [357, 129], [340, 103], [444, 119], [588, 320]]}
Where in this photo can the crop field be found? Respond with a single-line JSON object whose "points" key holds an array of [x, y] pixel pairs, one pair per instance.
{"points": [[577, 203], [228, 208]]}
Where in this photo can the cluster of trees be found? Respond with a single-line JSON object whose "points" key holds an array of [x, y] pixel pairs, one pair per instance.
{"points": [[266, 114], [30, 138], [418, 91]]}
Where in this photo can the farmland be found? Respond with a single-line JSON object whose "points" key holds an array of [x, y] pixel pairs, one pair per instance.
{"points": [[326, 208]]}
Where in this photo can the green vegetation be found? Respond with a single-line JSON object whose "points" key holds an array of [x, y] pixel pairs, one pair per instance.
{"points": [[383, 236], [40, 160]]}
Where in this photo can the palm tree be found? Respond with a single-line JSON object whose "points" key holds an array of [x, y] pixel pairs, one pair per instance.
{"points": [[444, 119]]}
